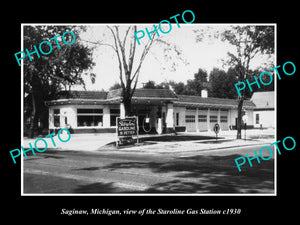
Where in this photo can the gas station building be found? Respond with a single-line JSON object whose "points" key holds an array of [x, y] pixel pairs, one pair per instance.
{"points": [[158, 111]]}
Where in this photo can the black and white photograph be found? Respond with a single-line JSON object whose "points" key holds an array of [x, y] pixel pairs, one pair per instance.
{"points": [[168, 109], [140, 111]]}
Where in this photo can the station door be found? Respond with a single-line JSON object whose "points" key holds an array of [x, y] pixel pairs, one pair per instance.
{"points": [[213, 118], [224, 120], [202, 120], [190, 121]]}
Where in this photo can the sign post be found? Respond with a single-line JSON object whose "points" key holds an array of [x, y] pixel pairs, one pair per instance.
{"points": [[126, 128], [245, 119], [216, 130]]}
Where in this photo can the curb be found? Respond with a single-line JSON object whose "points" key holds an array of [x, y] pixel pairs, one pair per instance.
{"points": [[179, 151], [132, 148]]}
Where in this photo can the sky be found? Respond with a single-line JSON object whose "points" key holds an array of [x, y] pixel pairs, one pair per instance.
{"points": [[206, 54]]}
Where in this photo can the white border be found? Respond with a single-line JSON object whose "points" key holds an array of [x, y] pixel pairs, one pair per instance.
{"points": [[156, 194], [22, 111]]}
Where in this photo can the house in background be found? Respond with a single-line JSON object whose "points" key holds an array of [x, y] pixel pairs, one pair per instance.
{"points": [[264, 112]]}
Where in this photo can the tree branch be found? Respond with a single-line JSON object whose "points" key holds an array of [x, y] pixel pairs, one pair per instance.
{"points": [[99, 43], [122, 48], [132, 51], [124, 41], [119, 59], [145, 52]]}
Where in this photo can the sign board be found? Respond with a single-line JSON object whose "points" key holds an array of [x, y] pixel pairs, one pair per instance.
{"points": [[127, 127], [216, 128], [245, 118]]}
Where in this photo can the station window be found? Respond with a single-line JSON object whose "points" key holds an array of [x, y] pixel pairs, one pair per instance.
{"points": [[114, 113], [202, 118], [190, 118], [177, 119], [213, 119], [56, 113], [224, 119], [89, 117], [191, 108], [256, 118]]}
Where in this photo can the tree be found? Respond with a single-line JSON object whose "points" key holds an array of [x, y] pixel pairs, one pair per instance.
{"points": [[44, 77], [265, 79], [150, 85], [127, 46], [222, 83], [179, 88], [195, 86], [129, 62], [116, 85], [249, 41]]}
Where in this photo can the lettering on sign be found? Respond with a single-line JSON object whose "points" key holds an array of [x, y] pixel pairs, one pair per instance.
{"points": [[127, 126]]}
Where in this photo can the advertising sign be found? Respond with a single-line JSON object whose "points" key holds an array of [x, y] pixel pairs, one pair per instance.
{"points": [[127, 127]]}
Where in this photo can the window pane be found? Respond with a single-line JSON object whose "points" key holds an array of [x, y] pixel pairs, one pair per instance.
{"points": [[56, 111], [213, 119], [190, 108], [223, 118], [177, 119], [83, 121], [202, 118], [113, 120], [114, 111], [56, 121], [89, 110], [189, 118]]}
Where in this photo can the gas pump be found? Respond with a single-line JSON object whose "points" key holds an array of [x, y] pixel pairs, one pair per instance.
{"points": [[146, 124]]}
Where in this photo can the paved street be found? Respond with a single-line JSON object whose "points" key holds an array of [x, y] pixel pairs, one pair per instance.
{"points": [[212, 171]]}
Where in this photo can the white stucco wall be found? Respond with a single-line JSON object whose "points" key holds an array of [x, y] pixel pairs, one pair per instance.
{"points": [[250, 117], [232, 114], [181, 111], [266, 118], [70, 111], [106, 116], [65, 111]]}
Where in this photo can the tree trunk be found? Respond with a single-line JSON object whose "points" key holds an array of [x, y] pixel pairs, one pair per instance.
{"points": [[34, 117], [239, 118], [127, 106], [127, 100]]}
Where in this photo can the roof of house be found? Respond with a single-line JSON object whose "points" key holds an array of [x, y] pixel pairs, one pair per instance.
{"points": [[83, 95], [143, 95], [264, 100], [154, 93], [211, 102]]}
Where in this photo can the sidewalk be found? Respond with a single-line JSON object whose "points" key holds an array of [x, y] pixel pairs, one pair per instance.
{"points": [[226, 139], [192, 141], [78, 142]]}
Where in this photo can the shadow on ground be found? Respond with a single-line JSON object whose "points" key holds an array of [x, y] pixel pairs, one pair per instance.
{"points": [[166, 138], [204, 174], [207, 174], [98, 187], [170, 138]]}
